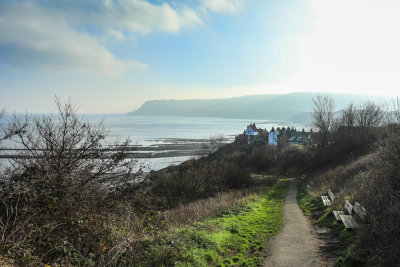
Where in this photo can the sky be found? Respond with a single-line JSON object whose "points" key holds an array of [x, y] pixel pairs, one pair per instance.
{"points": [[110, 56]]}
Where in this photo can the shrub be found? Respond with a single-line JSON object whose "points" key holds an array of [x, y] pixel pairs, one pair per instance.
{"points": [[52, 198], [382, 197]]}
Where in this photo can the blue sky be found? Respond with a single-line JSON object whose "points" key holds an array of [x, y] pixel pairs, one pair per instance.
{"points": [[112, 55]]}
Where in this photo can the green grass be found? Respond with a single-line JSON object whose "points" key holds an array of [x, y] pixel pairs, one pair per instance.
{"points": [[299, 146], [236, 238], [306, 204]]}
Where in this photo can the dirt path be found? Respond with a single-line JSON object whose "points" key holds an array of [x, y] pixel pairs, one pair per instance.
{"points": [[296, 244]]}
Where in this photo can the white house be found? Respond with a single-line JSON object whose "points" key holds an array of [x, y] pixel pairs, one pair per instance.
{"points": [[251, 132], [273, 138]]}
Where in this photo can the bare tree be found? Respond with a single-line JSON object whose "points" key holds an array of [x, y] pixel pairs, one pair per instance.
{"points": [[8, 129], [349, 116], [392, 111], [397, 109], [369, 115], [70, 152], [215, 142], [323, 116]]}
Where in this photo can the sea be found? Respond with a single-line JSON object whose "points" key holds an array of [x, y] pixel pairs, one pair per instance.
{"points": [[160, 141]]}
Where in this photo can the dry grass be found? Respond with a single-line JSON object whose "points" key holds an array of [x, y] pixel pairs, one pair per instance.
{"points": [[191, 213], [344, 181]]}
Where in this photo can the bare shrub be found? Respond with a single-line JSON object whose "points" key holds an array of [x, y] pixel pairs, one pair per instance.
{"points": [[215, 143], [295, 160], [53, 194], [263, 158], [382, 197]]}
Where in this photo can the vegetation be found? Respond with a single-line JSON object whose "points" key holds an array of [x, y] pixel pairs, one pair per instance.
{"points": [[73, 199], [236, 237], [362, 150]]}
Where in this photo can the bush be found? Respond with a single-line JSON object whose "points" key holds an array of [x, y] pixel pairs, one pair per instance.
{"points": [[200, 179], [382, 196], [52, 198]]}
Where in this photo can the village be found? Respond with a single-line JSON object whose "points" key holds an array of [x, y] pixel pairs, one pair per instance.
{"points": [[257, 136]]}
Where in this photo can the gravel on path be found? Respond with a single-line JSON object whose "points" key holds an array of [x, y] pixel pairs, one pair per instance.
{"points": [[297, 244]]}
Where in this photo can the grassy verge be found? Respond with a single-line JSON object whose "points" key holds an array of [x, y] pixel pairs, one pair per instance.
{"points": [[323, 217], [235, 238], [306, 204]]}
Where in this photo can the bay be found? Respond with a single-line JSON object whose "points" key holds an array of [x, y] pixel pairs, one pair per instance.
{"points": [[153, 134], [160, 141]]}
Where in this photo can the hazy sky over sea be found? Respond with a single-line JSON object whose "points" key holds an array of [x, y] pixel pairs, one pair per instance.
{"points": [[112, 55]]}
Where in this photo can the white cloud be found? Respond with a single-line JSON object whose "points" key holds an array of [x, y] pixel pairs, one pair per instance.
{"points": [[118, 35], [42, 40], [143, 17], [223, 6], [46, 36]]}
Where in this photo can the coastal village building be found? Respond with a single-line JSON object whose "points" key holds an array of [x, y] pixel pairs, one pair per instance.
{"points": [[273, 138], [300, 138], [255, 135]]}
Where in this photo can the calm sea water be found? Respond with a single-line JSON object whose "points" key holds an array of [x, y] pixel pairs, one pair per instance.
{"points": [[144, 128], [163, 141], [154, 132]]}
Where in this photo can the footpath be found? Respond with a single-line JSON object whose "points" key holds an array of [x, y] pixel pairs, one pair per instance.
{"points": [[297, 244]]}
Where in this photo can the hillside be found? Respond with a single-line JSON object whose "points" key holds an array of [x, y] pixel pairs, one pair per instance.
{"points": [[294, 107]]}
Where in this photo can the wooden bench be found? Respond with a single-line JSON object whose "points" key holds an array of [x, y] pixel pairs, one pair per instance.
{"points": [[347, 219], [337, 214], [331, 195], [326, 201], [360, 211]]}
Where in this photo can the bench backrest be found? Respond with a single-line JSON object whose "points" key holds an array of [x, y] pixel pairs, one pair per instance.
{"points": [[348, 207], [360, 210], [331, 195]]}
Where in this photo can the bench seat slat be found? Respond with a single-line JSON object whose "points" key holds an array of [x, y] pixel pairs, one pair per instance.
{"points": [[326, 201], [331, 195], [348, 207], [348, 221], [337, 214], [359, 210]]}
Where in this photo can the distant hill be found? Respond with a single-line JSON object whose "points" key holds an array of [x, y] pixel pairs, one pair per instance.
{"points": [[294, 107]]}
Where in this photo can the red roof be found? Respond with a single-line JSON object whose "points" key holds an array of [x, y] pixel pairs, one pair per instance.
{"points": [[254, 128]]}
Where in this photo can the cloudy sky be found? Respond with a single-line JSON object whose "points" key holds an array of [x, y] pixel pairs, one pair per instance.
{"points": [[110, 56]]}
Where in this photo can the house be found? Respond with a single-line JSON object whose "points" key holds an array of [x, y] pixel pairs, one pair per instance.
{"points": [[299, 137], [273, 138], [255, 135]]}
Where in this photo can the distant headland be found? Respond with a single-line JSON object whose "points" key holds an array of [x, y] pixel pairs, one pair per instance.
{"points": [[294, 107]]}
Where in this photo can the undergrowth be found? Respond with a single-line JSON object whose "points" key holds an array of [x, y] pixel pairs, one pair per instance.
{"points": [[323, 217], [235, 238]]}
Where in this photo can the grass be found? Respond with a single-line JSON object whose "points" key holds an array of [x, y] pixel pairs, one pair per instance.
{"points": [[299, 146], [235, 238], [306, 204]]}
